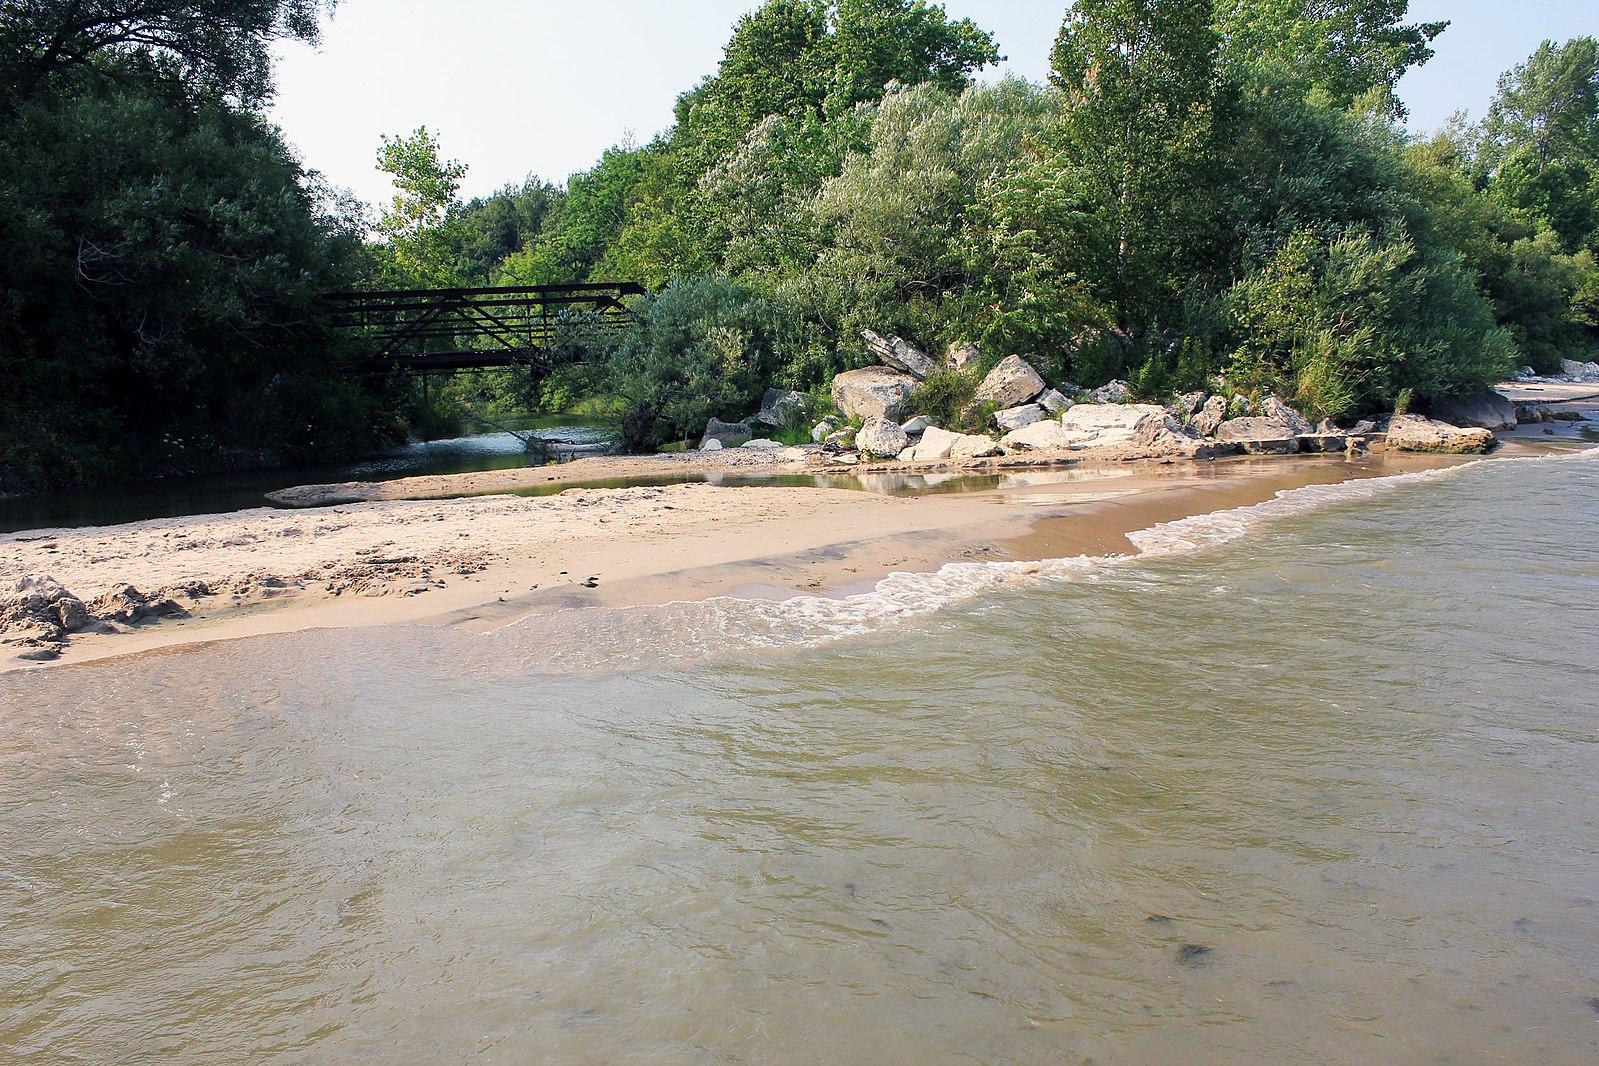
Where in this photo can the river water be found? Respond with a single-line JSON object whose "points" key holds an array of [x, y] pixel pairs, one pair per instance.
{"points": [[1312, 782], [235, 491]]}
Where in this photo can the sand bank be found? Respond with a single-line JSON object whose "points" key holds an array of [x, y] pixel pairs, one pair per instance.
{"points": [[483, 561]]}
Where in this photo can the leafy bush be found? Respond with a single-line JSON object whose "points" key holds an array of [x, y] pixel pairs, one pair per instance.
{"points": [[948, 398], [1343, 325], [701, 349]]}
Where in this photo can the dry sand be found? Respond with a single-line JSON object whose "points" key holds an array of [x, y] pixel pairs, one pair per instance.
{"points": [[484, 561]]}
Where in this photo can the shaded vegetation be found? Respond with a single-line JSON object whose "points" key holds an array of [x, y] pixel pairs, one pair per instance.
{"points": [[1202, 187]]}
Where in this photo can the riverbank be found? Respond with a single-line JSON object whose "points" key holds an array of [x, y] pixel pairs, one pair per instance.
{"points": [[481, 561]]}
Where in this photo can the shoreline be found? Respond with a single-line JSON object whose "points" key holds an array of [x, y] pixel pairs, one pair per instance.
{"points": [[479, 562]]}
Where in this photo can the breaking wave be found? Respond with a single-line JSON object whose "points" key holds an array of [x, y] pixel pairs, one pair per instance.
{"points": [[646, 636]]}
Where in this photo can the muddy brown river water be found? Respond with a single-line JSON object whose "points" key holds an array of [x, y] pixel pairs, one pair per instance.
{"points": [[1312, 782]]}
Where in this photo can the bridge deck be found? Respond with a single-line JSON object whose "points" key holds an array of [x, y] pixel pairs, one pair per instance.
{"points": [[449, 330]]}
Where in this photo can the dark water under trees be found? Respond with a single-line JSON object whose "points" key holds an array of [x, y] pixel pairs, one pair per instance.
{"points": [[214, 493]]}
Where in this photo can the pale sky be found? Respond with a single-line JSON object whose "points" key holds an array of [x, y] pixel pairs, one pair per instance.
{"points": [[518, 87]]}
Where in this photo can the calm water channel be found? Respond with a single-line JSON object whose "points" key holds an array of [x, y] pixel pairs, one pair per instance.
{"points": [[215, 493], [1315, 782]]}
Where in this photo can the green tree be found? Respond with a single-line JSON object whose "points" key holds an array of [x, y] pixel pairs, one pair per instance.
{"points": [[1548, 106], [160, 264], [421, 225], [1346, 50], [896, 216], [1140, 81], [217, 46], [703, 348]]}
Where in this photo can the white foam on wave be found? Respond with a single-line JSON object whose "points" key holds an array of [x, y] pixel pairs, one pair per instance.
{"points": [[642, 635]]}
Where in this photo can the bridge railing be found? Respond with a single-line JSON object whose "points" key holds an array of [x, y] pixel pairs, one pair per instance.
{"points": [[446, 330]]}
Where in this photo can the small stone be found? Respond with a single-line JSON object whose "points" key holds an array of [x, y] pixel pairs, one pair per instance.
{"points": [[962, 355]]}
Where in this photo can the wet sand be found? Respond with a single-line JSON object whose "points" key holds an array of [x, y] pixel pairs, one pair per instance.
{"points": [[485, 561]]}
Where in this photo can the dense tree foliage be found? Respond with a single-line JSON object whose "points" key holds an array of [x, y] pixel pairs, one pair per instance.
{"points": [[1203, 188], [161, 250]]}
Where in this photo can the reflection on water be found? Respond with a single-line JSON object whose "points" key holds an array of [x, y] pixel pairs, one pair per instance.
{"points": [[216, 493], [887, 484], [1325, 794]]}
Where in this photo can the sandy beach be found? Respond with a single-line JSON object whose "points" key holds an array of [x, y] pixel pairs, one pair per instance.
{"points": [[479, 560]]}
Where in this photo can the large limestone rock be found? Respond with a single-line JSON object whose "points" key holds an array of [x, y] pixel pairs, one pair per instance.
{"points": [[781, 408], [1017, 417], [728, 434], [900, 354], [1211, 416], [974, 446], [1322, 441], [1169, 437], [1260, 436], [1581, 372], [1045, 437], [873, 392], [1012, 383], [1187, 404], [1277, 411], [936, 443], [916, 426], [1484, 410], [1111, 423], [880, 438], [1413, 433]]}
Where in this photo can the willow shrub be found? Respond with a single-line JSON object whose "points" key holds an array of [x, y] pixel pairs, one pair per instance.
{"points": [[1344, 325]]}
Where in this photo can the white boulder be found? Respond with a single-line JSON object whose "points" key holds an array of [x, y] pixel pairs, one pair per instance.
{"points": [[1211, 416], [1413, 433], [899, 353], [1017, 417], [1012, 383], [975, 446], [1580, 372], [1053, 401], [1116, 392], [936, 443], [1274, 409], [1048, 436], [873, 392], [880, 438], [1109, 423]]}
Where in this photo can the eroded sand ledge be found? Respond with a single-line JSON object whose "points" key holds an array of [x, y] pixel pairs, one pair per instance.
{"points": [[483, 561]]}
